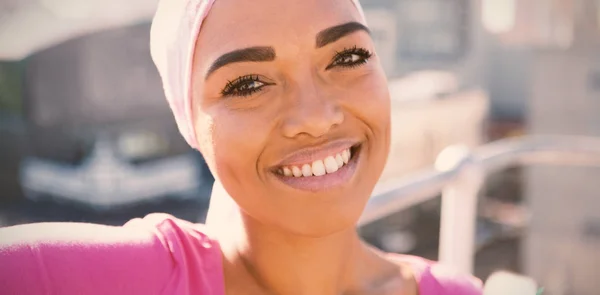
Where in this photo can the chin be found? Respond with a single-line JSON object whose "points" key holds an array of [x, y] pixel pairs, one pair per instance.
{"points": [[321, 219]]}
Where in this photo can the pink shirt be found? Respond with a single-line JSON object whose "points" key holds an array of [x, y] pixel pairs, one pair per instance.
{"points": [[158, 254]]}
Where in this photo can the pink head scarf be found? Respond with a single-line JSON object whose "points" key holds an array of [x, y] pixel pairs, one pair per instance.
{"points": [[172, 44]]}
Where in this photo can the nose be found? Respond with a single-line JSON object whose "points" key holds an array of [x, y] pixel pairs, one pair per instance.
{"points": [[310, 111]]}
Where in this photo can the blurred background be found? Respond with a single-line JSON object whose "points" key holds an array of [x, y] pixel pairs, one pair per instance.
{"points": [[86, 134]]}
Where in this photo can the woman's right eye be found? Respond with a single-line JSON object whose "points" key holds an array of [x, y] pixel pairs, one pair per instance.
{"points": [[244, 86]]}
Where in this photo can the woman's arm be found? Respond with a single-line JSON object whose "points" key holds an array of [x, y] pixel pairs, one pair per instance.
{"points": [[72, 258]]}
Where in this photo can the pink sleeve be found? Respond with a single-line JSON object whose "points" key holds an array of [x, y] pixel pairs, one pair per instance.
{"points": [[436, 279], [154, 255]]}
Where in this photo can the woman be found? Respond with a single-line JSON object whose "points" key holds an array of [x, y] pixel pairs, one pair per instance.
{"points": [[289, 105]]}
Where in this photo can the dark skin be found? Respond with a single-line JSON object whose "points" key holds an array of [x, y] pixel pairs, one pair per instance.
{"points": [[269, 79]]}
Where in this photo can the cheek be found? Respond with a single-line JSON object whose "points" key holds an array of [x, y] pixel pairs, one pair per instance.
{"points": [[232, 141], [370, 104], [238, 140], [370, 101]]}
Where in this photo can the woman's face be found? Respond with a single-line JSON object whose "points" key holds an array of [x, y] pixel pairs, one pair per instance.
{"points": [[292, 110]]}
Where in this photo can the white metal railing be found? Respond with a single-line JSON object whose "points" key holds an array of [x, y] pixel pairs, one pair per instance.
{"points": [[459, 174]]}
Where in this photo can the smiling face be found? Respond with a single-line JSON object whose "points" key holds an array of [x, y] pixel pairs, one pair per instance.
{"points": [[292, 110]]}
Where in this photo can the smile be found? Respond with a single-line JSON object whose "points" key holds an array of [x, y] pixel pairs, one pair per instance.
{"points": [[329, 165], [324, 169]]}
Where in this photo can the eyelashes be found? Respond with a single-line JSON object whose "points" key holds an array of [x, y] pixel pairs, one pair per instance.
{"points": [[244, 86], [250, 84], [350, 58]]}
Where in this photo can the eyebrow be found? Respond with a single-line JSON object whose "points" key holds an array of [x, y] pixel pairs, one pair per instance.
{"points": [[252, 54], [334, 33], [267, 53]]}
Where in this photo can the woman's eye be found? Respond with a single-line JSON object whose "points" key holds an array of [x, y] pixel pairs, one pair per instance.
{"points": [[252, 85], [243, 86], [349, 58]]}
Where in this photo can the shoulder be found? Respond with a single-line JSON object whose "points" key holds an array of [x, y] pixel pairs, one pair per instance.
{"points": [[435, 278], [145, 256], [170, 228], [194, 250], [188, 243]]}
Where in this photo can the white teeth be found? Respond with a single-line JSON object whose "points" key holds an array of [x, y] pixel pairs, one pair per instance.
{"points": [[330, 165], [287, 171], [346, 156], [296, 171], [306, 170], [318, 168], [339, 161]]}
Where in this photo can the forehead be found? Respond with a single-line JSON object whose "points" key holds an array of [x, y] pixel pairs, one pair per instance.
{"points": [[235, 24]]}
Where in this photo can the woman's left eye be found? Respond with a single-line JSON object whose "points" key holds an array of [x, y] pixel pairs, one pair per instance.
{"points": [[349, 58], [244, 86], [252, 85]]}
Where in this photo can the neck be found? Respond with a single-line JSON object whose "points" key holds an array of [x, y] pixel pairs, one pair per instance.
{"points": [[284, 263]]}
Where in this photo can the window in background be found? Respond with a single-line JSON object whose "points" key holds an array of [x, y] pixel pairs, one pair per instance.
{"points": [[433, 29], [548, 24]]}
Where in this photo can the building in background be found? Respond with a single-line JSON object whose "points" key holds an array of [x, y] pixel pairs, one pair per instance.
{"points": [[95, 131], [561, 249], [539, 61], [441, 35], [547, 55]]}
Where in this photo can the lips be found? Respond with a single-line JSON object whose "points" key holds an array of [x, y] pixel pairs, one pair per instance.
{"points": [[320, 167]]}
